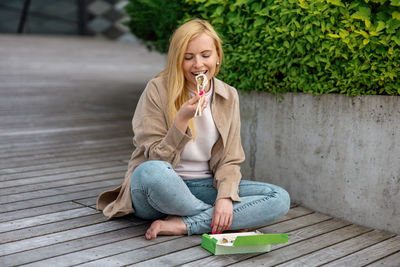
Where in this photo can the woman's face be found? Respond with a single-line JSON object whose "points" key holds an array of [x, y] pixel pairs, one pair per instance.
{"points": [[200, 57]]}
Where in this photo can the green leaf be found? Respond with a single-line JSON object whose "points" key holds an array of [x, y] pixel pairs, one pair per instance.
{"points": [[381, 25], [396, 15], [363, 14], [395, 2], [335, 2], [333, 35], [286, 44], [396, 40], [392, 25], [259, 21], [363, 33], [343, 34]]}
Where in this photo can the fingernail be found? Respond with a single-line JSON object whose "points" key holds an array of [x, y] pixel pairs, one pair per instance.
{"points": [[213, 232], [226, 229], [202, 92]]}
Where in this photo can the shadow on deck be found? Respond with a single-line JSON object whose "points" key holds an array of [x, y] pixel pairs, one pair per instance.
{"points": [[65, 111]]}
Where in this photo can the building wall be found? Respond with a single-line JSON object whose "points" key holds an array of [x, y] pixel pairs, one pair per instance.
{"points": [[100, 18], [334, 154]]}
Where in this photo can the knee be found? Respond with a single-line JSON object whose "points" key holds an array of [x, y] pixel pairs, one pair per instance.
{"points": [[284, 199], [150, 173]]}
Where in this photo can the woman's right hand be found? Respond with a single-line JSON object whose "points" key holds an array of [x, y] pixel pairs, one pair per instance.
{"points": [[187, 111]]}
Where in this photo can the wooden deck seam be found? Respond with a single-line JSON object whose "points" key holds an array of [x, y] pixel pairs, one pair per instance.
{"points": [[62, 170], [38, 143], [118, 175], [33, 181], [46, 213], [117, 181], [284, 220], [51, 222], [292, 244], [112, 242], [52, 147], [378, 260], [49, 245], [356, 251], [150, 258], [67, 149], [72, 137], [83, 205], [100, 189], [52, 159], [330, 245], [36, 168]]}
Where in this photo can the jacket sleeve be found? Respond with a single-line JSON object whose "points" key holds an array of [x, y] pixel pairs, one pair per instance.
{"points": [[227, 175], [150, 127]]}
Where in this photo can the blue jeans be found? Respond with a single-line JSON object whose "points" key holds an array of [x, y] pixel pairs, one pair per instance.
{"points": [[157, 190]]}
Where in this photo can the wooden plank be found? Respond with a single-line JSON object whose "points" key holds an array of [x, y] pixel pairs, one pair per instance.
{"points": [[110, 250], [38, 151], [90, 201], [107, 250], [69, 169], [296, 236], [19, 214], [59, 154], [19, 122], [65, 146], [370, 254], [293, 213], [70, 121], [282, 254], [116, 156], [63, 176], [83, 139], [340, 250], [74, 246], [148, 252], [52, 160], [14, 198], [297, 223], [59, 237], [176, 258], [45, 219], [31, 203], [40, 230], [60, 183], [392, 260], [57, 130], [27, 148], [116, 131], [295, 219]]}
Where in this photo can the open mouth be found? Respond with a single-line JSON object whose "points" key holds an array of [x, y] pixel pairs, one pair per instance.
{"points": [[199, 72]]}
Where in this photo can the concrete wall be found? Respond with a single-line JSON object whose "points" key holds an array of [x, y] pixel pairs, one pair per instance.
{"points": [[334, 154]]}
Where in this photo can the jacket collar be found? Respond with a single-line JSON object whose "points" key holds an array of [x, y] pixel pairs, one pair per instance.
{"points": [[219, 88]]}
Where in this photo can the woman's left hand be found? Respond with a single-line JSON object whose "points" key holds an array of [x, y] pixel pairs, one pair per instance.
{"points": [[222, 216]]}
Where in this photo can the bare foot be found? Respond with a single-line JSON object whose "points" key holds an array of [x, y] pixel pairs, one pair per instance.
{"points": [[172, 225]]}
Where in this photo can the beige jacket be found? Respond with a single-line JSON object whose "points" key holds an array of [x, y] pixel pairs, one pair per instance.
{"points": [[155, 139]]}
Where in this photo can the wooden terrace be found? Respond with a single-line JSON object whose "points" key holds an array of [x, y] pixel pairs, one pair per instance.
{"points": [[65, 136]]}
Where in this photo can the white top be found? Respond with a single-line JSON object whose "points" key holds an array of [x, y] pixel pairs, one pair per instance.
{"points": [[196, 155]]}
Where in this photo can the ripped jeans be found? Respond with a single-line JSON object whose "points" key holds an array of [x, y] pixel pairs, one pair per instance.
{"points": [[157, 190]]}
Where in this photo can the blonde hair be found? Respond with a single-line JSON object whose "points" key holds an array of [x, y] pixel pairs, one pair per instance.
{"points": [[177, 94]]}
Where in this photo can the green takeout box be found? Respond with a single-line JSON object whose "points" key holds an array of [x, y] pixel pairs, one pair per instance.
{"points": [[250, 242]]}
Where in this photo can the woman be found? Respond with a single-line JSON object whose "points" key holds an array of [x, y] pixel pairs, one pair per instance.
{"points": [[184, 172]]}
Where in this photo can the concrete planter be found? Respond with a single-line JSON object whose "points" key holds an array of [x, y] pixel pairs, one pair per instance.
{"points": [[334, 154]]}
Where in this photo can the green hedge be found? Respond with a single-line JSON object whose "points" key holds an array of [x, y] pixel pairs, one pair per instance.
{"points": [[320, 46]]}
